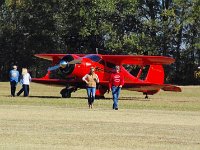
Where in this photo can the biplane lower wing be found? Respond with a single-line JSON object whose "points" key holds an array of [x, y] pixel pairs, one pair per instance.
{"points": [[61, 82]]}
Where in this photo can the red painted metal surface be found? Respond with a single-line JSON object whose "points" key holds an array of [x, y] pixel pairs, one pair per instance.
{"points": [[151, 83]]}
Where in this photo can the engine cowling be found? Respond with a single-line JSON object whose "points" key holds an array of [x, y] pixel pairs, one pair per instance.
{"points": [[65, 66]]}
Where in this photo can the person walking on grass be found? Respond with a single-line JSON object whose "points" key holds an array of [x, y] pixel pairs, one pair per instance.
{"points": [[14, 78], [91, 80], [115, 84], [25, 81]]}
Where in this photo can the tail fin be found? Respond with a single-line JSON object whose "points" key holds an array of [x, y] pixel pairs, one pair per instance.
{"points": [[155, 74]]}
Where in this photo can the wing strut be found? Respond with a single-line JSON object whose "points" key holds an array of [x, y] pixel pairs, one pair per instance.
{"points": [[140, 72]]}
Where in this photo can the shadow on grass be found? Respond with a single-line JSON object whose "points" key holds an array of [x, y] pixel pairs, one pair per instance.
{"points": [[50, 97], [84, 98], [57, 97], [133, 98]]}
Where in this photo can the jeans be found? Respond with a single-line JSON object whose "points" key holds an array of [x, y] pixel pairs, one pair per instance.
{"points": [[115, 93], [91, 94], [13, 85], [25, 89]]}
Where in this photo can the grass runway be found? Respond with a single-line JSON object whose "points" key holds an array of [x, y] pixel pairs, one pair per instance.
{"points": [[45, 121]]}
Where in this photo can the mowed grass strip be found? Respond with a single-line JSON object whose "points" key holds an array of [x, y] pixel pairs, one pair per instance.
{"points": [[187, 100], [50, 127], [45, 121]]}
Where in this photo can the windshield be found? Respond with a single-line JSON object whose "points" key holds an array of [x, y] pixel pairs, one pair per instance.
{"points": [[94, 58]]}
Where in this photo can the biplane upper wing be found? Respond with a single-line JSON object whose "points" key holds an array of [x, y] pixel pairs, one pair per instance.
{"points": [[54, 56], [50, 56], [138, 59]]}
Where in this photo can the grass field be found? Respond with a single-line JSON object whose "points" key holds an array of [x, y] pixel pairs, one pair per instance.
{"points": [[45, 121]]}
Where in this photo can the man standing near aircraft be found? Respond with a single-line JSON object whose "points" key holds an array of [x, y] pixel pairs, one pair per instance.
{"points": [[115, 84], [14, 77]]}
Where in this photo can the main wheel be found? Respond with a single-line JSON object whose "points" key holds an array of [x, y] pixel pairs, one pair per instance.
{"points": [[65, 93]]}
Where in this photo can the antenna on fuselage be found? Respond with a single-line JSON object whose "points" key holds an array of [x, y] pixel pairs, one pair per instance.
{"points": [[97, 51]]}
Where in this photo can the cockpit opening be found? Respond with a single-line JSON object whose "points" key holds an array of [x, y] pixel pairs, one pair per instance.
{"points": [[138, 71]]}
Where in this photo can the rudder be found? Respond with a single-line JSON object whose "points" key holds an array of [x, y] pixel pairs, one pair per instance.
{"points": [[155, 74]]}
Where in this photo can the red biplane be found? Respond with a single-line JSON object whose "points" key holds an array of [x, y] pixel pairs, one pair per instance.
{"points": [[148, 79]]}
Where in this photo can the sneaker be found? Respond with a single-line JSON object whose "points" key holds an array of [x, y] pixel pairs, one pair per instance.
{"points": [[116, 108]]}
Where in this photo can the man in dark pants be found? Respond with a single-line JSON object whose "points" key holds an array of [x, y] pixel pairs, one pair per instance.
{"points": [[14, 77]]}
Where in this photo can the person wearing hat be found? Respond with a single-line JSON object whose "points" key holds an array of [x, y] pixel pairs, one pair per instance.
{"points": [[14, 78], [91, 79], [115, 84]]}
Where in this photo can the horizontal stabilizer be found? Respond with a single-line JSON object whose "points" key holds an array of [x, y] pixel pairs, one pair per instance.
{"points": [[172, 88]]}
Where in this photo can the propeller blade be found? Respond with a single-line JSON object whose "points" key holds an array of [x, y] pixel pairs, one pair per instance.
{"points": [[75, 61], [63, 64], [53, 67]]}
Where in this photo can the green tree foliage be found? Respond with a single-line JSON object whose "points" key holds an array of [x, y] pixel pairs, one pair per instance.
{"points": [[153, 27], [26, 28]]}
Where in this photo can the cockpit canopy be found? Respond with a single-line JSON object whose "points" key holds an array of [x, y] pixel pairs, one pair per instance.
{"points": [[93, 57]]}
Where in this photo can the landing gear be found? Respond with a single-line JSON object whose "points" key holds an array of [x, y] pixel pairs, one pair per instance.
{"points": [[66, 92], [100, 91], [146, 95]]}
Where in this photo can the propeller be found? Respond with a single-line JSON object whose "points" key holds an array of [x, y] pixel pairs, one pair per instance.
{"points": [[63, 64], [75, 61], [53, 67]]}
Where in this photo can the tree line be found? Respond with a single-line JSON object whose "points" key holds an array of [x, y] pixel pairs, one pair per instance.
{"points": [[137, 27]]}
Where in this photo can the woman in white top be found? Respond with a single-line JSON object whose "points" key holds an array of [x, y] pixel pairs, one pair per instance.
{"points": [[26, 78]]}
